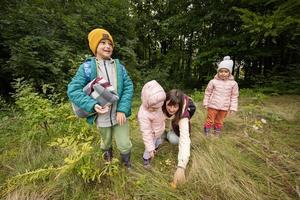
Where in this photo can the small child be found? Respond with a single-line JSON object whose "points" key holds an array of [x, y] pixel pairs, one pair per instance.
{"points": [[151, 118], [221, 97]]}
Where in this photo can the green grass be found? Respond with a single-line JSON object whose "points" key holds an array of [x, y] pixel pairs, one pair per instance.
{"points": [[251, 160]]}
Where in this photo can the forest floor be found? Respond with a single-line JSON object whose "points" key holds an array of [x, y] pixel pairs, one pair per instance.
{"points": [[256, 157]]}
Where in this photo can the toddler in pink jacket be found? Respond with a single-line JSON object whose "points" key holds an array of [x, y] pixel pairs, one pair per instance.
{"points": [[221, 97], [151, 118]]}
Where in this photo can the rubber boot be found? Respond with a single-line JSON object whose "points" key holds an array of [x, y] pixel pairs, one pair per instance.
{"points": [[218, 132], [206, 131], [108, 155], [147, 163], [125, 158]]}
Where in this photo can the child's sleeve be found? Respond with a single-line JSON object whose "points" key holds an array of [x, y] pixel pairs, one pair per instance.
{"points": [[208, 92], [234, 97], [147, 133], [124, 104], [77, 95]]}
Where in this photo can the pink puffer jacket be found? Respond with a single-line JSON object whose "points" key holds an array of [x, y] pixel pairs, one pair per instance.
{"points": [[222, 94], [152, 124]]}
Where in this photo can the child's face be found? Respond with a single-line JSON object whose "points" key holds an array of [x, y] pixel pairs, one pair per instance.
{"points": [[223, 74], [172, 109], [104, 49]]}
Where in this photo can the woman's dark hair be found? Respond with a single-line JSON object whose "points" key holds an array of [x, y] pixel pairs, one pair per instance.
{"points": [[176, 97]]}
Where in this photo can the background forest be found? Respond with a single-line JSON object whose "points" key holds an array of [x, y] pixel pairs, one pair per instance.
{"points": [[176, 42], [48, 153]]}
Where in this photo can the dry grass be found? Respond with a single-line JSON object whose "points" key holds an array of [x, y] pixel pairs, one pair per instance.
{"points": [[25, 195], [253, 159]]}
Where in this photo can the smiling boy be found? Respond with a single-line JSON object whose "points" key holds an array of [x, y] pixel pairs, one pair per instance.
{"points": [[110, 119]]}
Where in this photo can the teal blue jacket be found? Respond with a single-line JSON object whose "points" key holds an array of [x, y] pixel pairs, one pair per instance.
{"points": [[87, 72]]}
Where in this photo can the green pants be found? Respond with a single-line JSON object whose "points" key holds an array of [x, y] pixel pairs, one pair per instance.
{"points": [[121, 134]]}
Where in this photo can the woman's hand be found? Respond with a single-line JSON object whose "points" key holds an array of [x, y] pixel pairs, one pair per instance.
{"points": [[101, 110], [179, 177], [121, 118]]}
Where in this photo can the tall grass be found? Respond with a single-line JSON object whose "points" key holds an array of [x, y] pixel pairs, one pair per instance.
{"points": [[257, 157]]}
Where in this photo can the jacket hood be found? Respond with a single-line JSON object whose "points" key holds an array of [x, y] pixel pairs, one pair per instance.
{"points": [[153, 95]]}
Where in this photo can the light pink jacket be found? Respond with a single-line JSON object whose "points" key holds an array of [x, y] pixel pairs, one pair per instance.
{"points": [[222, 94], [152, 124]]}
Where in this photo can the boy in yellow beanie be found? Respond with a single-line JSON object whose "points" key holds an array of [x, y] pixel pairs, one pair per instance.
{"points": [[110, 119]]}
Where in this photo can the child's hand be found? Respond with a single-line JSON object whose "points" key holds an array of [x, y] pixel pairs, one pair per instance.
{"points": [[205, 107], [121, 118], [101, 110], [152, 153]]}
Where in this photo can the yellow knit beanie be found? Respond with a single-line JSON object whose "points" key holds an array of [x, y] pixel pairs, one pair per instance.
{"points": [[96, 35]]}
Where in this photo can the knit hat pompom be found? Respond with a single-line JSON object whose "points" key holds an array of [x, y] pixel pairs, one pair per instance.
{"points": [[226, 58], [226, 64], [95, 36]]}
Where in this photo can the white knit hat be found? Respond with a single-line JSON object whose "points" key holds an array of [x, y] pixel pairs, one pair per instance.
{"points": [[226, 64]]}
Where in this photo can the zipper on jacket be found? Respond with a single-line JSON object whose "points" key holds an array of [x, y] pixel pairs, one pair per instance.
{"points": [[110, 113]]}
